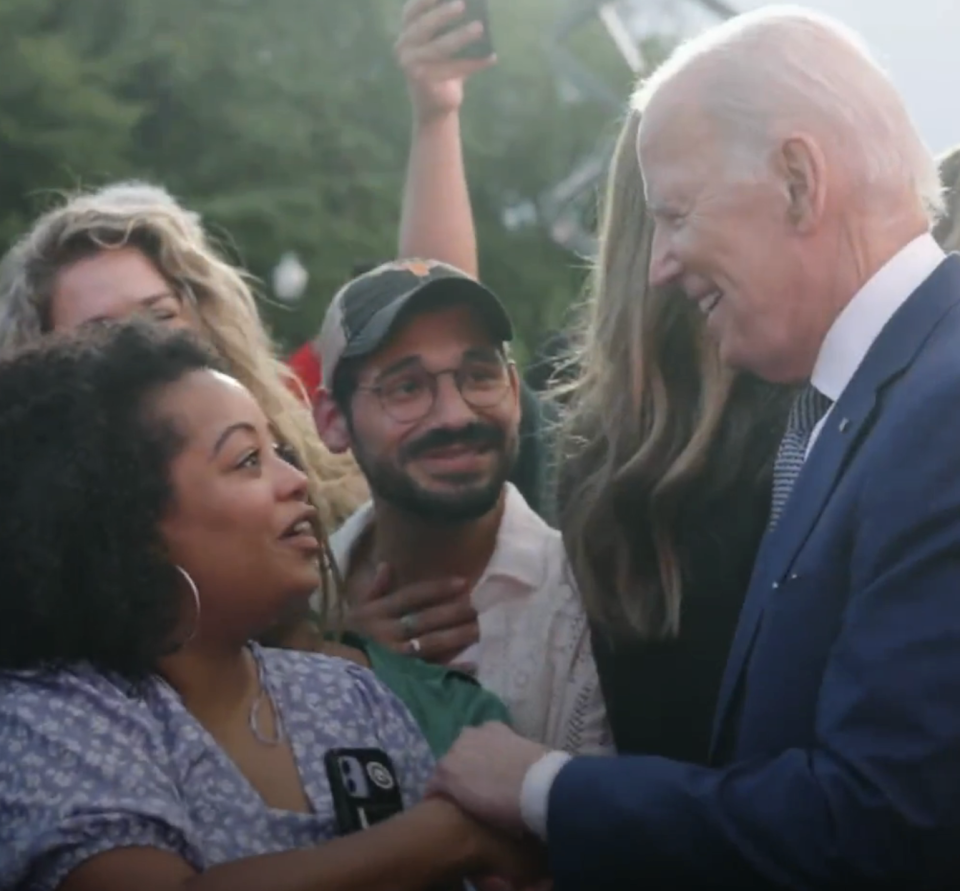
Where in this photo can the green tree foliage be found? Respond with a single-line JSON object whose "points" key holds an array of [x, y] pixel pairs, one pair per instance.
{"points": [[286, 125]]}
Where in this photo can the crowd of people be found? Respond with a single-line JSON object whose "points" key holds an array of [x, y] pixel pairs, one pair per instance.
{"points": [[687, 620]]}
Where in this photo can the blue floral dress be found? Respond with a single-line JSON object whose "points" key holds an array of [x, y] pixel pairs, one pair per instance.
{"points": [[87, 765]]}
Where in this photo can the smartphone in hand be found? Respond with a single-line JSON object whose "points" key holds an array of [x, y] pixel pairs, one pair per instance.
{"points": [[475, 11]]}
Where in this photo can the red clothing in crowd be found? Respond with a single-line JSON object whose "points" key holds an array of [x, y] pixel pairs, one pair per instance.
{"points": [[305, 363]]}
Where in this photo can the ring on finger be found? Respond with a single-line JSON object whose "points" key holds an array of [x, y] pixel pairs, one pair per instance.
{"points": [[408, 622], [415, 647]]}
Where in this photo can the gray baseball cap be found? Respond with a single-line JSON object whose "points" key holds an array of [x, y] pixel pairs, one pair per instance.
{"points": [[365, 311]]}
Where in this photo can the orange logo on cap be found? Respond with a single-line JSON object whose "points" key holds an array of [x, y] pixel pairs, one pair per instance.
{"points": [[420, 268]]}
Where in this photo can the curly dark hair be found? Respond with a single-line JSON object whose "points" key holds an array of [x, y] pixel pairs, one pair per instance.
{"points": [[83, 484]]}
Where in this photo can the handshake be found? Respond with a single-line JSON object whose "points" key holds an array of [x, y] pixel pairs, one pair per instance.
{"points": [[483, 774]]}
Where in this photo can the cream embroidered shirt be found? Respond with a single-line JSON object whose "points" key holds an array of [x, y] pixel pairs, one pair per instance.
{"points": [[534, 650]]}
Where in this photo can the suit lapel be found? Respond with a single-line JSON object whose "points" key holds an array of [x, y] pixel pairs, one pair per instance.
{"points": [[847, 425]]}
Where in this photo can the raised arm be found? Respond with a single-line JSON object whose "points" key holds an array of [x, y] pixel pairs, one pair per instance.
{"points": [[437, 220]]}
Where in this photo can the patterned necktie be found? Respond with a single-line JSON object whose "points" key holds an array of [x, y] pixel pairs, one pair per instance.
{"points": [[808, 408]]}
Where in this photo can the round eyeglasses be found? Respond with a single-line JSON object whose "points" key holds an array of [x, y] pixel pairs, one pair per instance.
{"points": [[410, 394]]}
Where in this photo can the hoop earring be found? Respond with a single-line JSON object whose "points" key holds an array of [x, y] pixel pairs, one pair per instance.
{"points": [[192, 585]]}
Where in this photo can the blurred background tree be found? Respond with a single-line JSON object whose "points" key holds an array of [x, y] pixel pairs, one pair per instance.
{"points": [[286, 125]]}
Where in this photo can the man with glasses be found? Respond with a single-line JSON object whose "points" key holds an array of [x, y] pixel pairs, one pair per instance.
{"points": [[448, 562]]}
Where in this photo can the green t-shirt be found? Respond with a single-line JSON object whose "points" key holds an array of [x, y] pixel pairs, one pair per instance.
{"points": [[442, 701]]}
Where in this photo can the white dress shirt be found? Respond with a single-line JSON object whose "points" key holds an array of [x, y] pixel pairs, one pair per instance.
{"points": [[534, 650], [856, 328], [843, 350]]}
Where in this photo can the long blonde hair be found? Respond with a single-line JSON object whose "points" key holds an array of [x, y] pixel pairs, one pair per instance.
{"points": [[656, 426], [947, 231], [148, 218]]}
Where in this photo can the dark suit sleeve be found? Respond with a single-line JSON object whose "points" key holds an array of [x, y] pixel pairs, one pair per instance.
{"points": [[877, 801]]}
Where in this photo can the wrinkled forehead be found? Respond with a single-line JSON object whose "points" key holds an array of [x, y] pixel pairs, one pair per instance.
{"points": [[678, 141]]}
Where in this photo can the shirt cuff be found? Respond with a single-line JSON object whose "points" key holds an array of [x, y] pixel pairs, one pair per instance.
{"points": [[535, 791]]}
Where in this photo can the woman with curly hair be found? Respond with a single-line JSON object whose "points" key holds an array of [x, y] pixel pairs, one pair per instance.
{"points": [[131, 248], [152, 527]]}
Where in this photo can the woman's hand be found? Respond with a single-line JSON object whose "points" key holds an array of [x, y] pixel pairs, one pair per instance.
{"points": [[509, 863], [433, 619], [435, 78]]}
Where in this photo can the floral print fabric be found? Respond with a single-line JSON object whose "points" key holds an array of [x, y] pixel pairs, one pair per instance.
{"points": [[88, 765]]}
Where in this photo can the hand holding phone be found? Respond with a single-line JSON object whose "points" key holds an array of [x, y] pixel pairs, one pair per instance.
{"points": [[474, 12], [441, 44]]}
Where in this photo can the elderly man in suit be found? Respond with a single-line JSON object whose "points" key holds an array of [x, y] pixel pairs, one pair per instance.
{"points": [[793, 201]]}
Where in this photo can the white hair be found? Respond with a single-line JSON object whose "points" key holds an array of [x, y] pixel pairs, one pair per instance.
{"points": [[781, 68]]}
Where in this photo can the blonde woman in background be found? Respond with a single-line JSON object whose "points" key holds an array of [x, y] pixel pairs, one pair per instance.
{"points": [[131, 248], [947, 231], [665, 479]]}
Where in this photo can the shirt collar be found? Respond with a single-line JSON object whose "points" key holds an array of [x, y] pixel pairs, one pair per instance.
{"points": [[858, 326], [517, 555], [343, 540], [519, 552]]}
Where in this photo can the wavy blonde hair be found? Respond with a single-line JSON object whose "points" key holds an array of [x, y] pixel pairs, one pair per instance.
{"points": [[148, 218], [947, 230], [656, 426]]}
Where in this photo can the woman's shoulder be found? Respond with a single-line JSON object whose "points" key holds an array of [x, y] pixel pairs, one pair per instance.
{"points": [[81, 713], [332, 661], [79, 693], [85, 770], [338, 673]]}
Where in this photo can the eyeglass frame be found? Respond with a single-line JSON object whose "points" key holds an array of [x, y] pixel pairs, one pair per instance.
{"points": [[505, 364]]}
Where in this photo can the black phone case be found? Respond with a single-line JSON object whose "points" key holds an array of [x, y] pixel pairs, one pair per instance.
{"points": [[364, 786], [482, 47]]}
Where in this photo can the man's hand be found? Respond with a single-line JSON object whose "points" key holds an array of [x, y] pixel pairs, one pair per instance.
{"points": [[434, 620], [484, 772], [434, 76]]}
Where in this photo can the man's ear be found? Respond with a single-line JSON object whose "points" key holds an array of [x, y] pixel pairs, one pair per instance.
{"points": [[331, 423], [515, 384], [803, 167]]}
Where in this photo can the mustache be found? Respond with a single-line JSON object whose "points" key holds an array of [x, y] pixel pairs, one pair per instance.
{"points": [[476, 435]]}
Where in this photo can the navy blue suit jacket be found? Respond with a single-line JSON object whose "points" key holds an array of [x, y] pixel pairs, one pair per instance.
{"points": [[841, 696]]}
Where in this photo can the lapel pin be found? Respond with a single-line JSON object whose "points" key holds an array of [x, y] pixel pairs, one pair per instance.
{"points": [[844, 424]]}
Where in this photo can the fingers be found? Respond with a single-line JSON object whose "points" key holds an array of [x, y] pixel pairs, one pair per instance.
{"points": [[437, 618], [413, 9], [421, 28], [440, 49], [442, 646], [388, 603], [432, 619], [419, 44], [416, 598]]}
